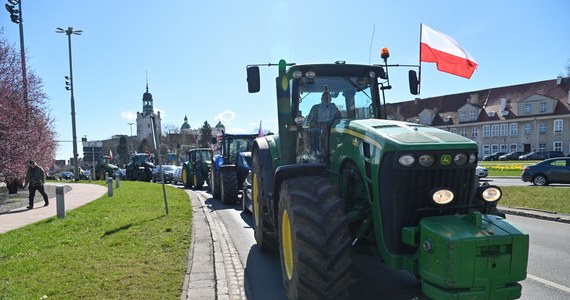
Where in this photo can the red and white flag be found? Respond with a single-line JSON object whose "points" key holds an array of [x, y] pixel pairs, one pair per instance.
{"points": [[110, 154], [447, 53]]}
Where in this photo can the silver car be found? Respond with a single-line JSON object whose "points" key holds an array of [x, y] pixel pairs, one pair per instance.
{"points": [[481, 172], [177, 179]]}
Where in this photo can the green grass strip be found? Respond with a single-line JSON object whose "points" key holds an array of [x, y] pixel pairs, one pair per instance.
{"points": [[122, 247]]}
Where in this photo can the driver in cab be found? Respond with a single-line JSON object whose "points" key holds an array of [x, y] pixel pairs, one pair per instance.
{"points": [[319, 119]]}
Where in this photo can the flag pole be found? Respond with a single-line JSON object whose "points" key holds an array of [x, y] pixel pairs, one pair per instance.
{"points": [[420, 64]]}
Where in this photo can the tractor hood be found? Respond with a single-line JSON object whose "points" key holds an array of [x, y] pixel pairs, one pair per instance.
{"points": [[384, 133]]}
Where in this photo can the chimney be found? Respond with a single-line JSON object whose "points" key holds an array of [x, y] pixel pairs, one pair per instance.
{"points": [[503, 103], [559, 80]]}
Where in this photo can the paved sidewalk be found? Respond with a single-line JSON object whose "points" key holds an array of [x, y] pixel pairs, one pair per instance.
{"points": [[80, 194]]}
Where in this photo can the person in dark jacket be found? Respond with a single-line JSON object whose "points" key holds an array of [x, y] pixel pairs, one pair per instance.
{"points": [[36, 178]]}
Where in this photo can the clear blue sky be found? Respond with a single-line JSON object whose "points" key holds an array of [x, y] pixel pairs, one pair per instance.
{"points": [[195, 52]]}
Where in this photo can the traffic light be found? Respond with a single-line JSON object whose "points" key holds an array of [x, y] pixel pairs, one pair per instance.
{"points": [[67, 83], [14, 13]]}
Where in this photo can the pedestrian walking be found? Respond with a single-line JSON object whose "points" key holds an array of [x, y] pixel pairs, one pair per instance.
{"points": [[36, 178]]}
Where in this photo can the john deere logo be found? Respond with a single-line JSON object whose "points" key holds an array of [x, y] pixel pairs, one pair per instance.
{"points": [[445, 159]]}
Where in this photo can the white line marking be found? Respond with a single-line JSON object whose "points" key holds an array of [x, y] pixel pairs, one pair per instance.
{"points": [[547, 282]]}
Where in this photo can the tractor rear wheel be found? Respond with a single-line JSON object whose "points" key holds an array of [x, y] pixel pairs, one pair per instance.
{"points": [[215, 183], [186, 180], [261, 186], [229, 188], [198, 180], [314, 239]]}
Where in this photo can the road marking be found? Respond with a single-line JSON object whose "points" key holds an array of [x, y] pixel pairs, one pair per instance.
{"points": [[547, 282]]}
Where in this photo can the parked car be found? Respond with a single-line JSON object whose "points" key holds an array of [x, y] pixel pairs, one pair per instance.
{"points": [[553, 170], [542, 155], [65, 175], [494, 156], [177, 176], [481, 172], [168, 173], [512, 155]]}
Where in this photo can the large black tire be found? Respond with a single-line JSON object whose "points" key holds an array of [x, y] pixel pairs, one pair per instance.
{"points": [[186, 179], [198, 181], [314, 240], [262, 169], [215, 183], [229, 188]]}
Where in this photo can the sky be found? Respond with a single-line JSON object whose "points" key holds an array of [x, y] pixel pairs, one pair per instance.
{"points": [[195, 53]]}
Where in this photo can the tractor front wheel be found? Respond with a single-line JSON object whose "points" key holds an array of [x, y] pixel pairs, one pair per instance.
{"points": [[314, 239], [186, 180], [198, 180]]}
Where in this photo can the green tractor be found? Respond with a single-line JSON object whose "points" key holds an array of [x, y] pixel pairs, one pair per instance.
{"points": [[230, 166], [333, 184], [140, 168], [195, 170], [104, 167]]}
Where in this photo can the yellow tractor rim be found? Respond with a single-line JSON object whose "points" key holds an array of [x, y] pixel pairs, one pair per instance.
{"points": [[287, 244], [195, 180], [255, 201], [184, 176]]}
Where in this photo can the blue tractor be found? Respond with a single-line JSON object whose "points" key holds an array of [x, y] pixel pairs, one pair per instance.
{"points": [[230, 165]]}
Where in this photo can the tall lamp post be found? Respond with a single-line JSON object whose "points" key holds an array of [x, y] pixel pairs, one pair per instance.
{"points": [[131, 137], [69, 32], [16, 17]]}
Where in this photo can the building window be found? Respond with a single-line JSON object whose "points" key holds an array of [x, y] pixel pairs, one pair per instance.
{"points": [[474, 132], [557, 146], [495, 130], [486, 150], [514, 128], [503, 147], [513, 147], [527, 128], [486, 130], [558, 123], [462, 116], [541, 147], [472, 114], [464, 132], [453, 130], [494, 148], [543, 106], [504, 129], [542, 127], [527, 108]]}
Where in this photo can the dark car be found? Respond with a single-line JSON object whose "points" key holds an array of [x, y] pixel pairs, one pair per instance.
{"points": [[494, 156], [541, 155], [168, 173], [553, 170], [65, 175], [512, 155]]}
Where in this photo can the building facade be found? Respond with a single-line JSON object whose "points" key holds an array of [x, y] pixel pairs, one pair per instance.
{"points": [[526, 117]]}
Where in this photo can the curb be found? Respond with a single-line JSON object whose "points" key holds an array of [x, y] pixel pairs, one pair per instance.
{"points": [[535, 214]]}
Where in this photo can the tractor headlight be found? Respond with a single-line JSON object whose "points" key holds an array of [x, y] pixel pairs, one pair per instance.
{"points": [[406, 160], [442, 196], [460, 159], [310, 74], [297, 74], [489, 193], [426, 160], [472, 158]]}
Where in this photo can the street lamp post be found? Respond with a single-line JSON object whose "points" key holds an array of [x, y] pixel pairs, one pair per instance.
{"points": [[131, 137], [16, 17], [69, 32]]}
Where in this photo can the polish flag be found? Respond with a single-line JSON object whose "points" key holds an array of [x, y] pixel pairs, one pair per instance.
{"points": [[260, 131], [110, 154], [447, 53]]}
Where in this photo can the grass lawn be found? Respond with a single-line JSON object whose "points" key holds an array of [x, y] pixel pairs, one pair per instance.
{"points": [[506, 168], [550, 198], [123, 247]]}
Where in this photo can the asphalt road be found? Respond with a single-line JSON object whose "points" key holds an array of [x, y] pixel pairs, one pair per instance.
{"points": [[548, 275]]}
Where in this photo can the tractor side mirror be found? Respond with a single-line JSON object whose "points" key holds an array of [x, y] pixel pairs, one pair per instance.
{"points": [[253, 79], [382, 74], [413, 81]]}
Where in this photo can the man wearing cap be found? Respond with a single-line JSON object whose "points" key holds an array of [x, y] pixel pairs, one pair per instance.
{"points": [[36, 178], [319, 119]]}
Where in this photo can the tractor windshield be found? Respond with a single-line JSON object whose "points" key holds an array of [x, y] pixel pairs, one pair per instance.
{"points": [[319, 100]]}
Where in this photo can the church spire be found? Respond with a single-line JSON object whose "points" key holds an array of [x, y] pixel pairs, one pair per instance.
{"points": [[147, 101]]}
